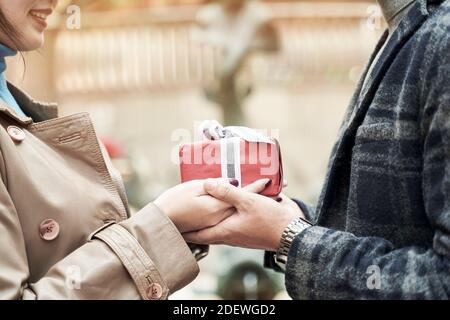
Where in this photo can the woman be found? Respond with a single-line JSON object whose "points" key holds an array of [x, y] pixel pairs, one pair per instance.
{"points": [[65, 228]]}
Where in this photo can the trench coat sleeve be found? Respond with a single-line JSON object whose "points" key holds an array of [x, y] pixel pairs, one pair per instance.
{"points": [[120, 261]]}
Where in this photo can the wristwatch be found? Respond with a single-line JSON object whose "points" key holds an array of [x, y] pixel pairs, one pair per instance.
{"points": [[296, 227]]}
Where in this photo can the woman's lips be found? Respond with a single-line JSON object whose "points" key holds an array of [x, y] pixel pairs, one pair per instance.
{"points": [[40, 17]]}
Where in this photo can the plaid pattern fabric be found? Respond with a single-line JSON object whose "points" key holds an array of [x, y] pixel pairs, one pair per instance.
{"points": [[382, 223]]}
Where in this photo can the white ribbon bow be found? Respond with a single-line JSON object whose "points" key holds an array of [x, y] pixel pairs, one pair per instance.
{"points": [[213, 130]]}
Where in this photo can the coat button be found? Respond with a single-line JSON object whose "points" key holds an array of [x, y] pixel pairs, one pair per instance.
{"points": [[49, 229], [16, 133], [154, 291]]}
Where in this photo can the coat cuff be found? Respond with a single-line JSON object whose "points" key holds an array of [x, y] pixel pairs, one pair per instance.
{"points": [[164, 245], [303, 265], [153, 251]]}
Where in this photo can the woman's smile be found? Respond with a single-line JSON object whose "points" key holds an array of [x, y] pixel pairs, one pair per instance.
{"points": [[40, 17]]}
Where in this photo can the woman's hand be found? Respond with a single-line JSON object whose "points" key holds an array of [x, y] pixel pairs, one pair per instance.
{"points": [[191, 208], [258, 223]]}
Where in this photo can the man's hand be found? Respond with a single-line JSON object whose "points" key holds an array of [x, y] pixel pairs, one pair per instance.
{"points": [[258, 223]]}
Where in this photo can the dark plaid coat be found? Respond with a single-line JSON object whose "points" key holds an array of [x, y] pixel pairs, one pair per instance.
{"points": [[385, 205]]}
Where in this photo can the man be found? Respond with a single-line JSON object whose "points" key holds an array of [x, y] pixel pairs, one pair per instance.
{"points": [[381, 228]]}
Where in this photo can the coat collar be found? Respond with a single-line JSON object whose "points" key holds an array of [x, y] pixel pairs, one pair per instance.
{"points": [[415, 17], [365, 90], [36, 111]]}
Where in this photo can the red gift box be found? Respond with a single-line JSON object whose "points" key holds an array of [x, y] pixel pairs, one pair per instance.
{"points": [[233, 158]]}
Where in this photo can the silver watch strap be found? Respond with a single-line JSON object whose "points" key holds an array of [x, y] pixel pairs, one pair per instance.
{"points": [[296, 227]]}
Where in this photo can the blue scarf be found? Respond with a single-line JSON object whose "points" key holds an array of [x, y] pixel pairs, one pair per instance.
{"points": [[5, 95]]}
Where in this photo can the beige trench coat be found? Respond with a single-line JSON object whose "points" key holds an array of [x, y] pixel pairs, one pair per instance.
{"points": [[65, 228]]}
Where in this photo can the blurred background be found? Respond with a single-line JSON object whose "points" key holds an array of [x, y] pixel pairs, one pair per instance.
{"points": [[145, 68]]}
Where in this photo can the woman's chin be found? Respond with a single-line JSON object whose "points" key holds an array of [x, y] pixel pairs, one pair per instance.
{"points": [[31, 44]]}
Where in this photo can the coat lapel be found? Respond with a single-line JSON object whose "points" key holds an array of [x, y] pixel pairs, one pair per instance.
{"points": [[409, 25], [359, 87], [364, 97]]}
